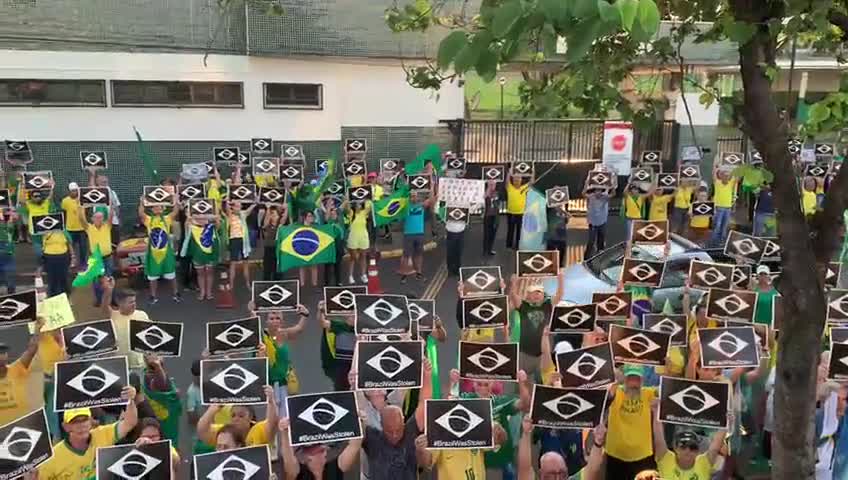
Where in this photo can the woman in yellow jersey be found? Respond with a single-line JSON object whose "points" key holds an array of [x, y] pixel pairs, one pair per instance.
{"points": [[685, 462], [682, 204], [358, 242], [809, 199], [699, 225], [516, 198], [36, 203], [628, 445], [99, 234], [242, 421], [724, 198], [661, 198], [57, 257], [634, 207]]}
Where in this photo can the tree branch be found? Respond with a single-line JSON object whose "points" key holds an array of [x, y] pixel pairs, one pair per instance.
{"points": [[829, 220]]}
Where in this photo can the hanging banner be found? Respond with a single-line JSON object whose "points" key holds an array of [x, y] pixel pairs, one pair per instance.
{"points": [[618, 146]]}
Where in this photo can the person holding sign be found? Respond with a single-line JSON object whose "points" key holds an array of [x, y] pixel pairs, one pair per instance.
{"points": [[552, 465], [201, 245], [243, 421], [724, 197], [160, 261], [628, 442], [516, 199], [315, 463], [14, 379], [8, 220], [685, 461], [99, 235]]}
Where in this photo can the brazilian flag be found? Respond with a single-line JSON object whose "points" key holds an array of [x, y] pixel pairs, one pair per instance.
{"points": [[168, 409], [301, 246], [431, 153], [392, 208]]}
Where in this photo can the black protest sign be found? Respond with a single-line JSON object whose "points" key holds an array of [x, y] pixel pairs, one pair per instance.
{"points": [[233, 381], [558, 408], [243, 159], [292, 173], [731, 159], [355, 145], [18, 152], [599, 179], [740, 245], [323, 417], [838, 367], [381, 314], [38, 180], [91, 196], [485, 312], [262, 146], [202, 208], [837, 306], [689, 172], [96, 160], [633, 345], [480, 281], [556, 196], [641, 175], [832, 272], [777, 313], [838, 334], [455, 164], [321, 165], [494, 173], [189, 192], [755, 157], [459, 424], [266, 166], [532, 263], [337, 189], [703, 209], [17, 308], [243, 463], [772, 249], [164, 339], [794, 145], [420, 183], [225, 154], [90, 383], [522, 169], [642, 273], [573, 318], [710, 275], [650, 157], [24, 445], [354, 168], [342, 300], [612, 306], [590, 367], [457, 214], [389, 364], [816, 170], [272, 195], [423, 313], [292, 152], [694, 402], [728, 347], [649, 232], [667, 180], [52, 222], [158, 195], [824, 149], [5, 198], [242, 193], [236, 336], [741, 277], [488, 361], [739, 305], [275, 295], [360, 194], [673, 325], [389, 165], [89, 339], [150, 461]]}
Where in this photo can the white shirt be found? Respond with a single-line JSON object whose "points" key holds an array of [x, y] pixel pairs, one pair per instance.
{"points": [[115, 207]]}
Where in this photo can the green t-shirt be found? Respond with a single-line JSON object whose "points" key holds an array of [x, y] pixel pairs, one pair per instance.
{"points": [[7, 243], [765, 304], [503, 407], [278, 360]]}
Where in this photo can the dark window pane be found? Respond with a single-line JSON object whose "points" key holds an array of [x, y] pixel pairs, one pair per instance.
{"points": [[184, 94], [52, 92], [292, 95]]}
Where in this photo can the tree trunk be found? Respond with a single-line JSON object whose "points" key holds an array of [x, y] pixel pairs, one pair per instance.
{"points": [[801, 286]]}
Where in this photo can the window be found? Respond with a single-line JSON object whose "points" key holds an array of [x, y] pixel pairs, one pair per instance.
{"points": [[129, 93], [52, 93], [294, 95]]}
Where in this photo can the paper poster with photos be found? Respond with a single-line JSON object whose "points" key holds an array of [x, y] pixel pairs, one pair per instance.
{"points": [[738, 305], [360, 194], [194, 172], [485, 312], [668, 180], [556, 196], [90, 383], [837, 306], [275, 295], [245, 193], [89, 339], [25, 444], [17, 308], [755, 157], [262, 146], [589, 367], [488, 361], [573, 318], [689, 172], [354, 168], [480, 281], [613, 306], [255, 462], [741, 277], [728, 347], [536, 264], [740, 245], [458, 424], [674, 325], [233, 381], [342, 300], [695, 403], [149, 461], [649, 232], [492, 173], [642, 273], [18, 152], [381, 314], [323, 417], [422, 313], [600, 179], [266, 166], [91, 160], [461, 192], [388, 365], [710, 275], [94, 196], [163, 339], [52, 222], [838, 366], [567, 408], [233, 336], [355, 145], [337, 189], [158, 195], [189, 192], [634, 345]]}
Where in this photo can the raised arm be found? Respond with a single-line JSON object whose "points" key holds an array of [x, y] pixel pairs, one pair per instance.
{"points": [[142, 215], [349, 457], [717, 442], [290, 463], [426, 394], [660, 447], [293, 331], [594, 469], [130, 418], [525, 454], [514, 293], [560, 291], [272, 417], [83, 220], [32, 346], [204, 425]]}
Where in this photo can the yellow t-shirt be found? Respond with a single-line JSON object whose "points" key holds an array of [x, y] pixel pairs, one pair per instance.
{"points": [[808, 202], [724, 193], [659, 207], [683, 197], [121, 323], [691, 325], [633, 206], [676, 364], [377, 192], [667, 466], [480, 335], [459, 464], [33, 210], [257, 434], [14, 401], [70, 464], [516, 198], [629, 432], [55, 243], [49, 352], [264, 180], [101, 237], [71, 208]]}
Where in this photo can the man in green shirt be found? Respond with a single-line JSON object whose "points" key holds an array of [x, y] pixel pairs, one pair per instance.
{"points": [[765, 298]]}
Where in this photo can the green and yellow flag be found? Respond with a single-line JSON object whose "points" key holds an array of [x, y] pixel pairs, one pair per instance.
{"points": [[301, 246], [93, 271], [431, 153], [168, 409], [392, 208]]}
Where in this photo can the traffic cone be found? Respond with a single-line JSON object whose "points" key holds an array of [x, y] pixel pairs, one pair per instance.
{"points": [[374, 287], [224, 298]]}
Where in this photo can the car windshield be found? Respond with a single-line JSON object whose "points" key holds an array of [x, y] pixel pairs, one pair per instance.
{"points": [[607, 264]]}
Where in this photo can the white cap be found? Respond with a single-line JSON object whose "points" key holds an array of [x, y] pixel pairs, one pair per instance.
{"points": [[563, 347], [73, 186], [763, 269]]}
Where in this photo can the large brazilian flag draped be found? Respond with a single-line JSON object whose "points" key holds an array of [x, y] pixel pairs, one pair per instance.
{"points": [[392, 208], [300, 246]]}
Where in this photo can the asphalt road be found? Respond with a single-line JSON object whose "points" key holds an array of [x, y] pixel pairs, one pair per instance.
{"points": [[305, 356]]}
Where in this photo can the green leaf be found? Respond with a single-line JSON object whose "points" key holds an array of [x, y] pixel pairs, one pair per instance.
{"points": [[649, 17], [487, 65], [581, 39], [584, 9], [549, 40], [628, 10], [819, 112], [554, 10], [450, 47], [608, 11], [505, 17], [467, 57], [740, 32]]}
